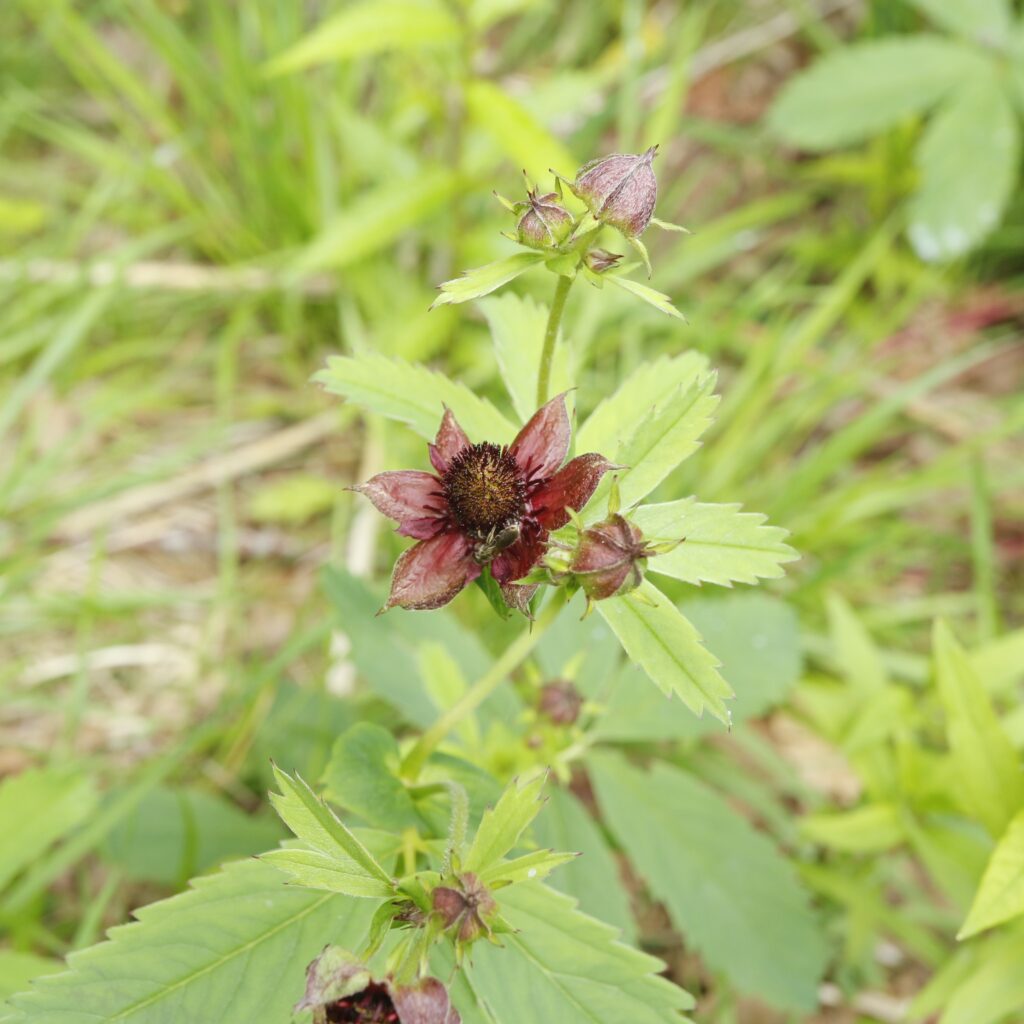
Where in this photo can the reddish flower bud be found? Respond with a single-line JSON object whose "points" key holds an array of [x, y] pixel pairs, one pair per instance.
{"points": [[620, 190], [341, 990], [465, 908], [560, 702], [600, 260], [610, 558], [545, 224]]}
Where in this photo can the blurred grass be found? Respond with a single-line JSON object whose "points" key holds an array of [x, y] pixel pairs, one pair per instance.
{"points": [[185, 236]]}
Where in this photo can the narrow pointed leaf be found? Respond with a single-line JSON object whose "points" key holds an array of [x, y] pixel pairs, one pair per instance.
{"points": [[651, 296], [1000, 896], [503, 824], [531, 867], [484, 280], [658, 637]]}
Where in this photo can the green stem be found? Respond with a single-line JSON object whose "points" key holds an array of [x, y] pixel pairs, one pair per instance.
{"points": [[510, 659], [547, 353]]}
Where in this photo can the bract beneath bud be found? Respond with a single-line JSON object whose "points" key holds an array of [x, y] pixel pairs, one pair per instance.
{"points": [[600, 260], [546, 224], [620, 190]]}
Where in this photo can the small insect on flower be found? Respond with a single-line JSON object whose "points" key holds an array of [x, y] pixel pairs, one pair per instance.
{"points": [[341, 990], [485, 505]]}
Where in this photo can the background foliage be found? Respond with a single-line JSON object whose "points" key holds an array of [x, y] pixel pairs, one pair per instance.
{"points": [[202, 203]]}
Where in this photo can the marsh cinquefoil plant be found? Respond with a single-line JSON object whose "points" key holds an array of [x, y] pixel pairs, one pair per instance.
{"points": [[424, 900]]}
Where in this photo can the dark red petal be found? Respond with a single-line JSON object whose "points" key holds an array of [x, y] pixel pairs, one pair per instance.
{"points": [[517, 560], [541, 446], [406, 494], [450, 440], [426, 1002], [571, 487], [432, 572], [424, 528]]}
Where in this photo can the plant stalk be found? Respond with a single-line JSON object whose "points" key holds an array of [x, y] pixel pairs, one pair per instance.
{"points": [[547, 353], [510, 659]]}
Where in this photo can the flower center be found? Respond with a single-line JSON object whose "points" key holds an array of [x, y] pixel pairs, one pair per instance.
{"points": [[485, 490], [371, 1006]]}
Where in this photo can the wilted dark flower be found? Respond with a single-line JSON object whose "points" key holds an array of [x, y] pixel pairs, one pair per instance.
{"points": [[610, 558], [620, 190], [341, 990], [545, 223], [486, 505], [600, 260], [466, 907], [560, 702]]}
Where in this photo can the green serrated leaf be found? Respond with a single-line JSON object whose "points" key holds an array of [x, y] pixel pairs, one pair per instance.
{"points": [[316, 825], [988, 775], [728, 889], [517, 328], [17, 970], [610, 425], [1000, 896], [367, 28], [201, 956], [557, 964], [720, 544], [362, 777], [503, 824], [968, 160], [663, 436], [651, 296], [484, 280], [411, 394], [38, 807], [316, 870], [593, 879], [530, 867], [856, 91], [656, 635]]}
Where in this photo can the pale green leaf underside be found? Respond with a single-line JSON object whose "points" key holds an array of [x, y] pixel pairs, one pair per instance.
{"points": [[658, 637], [503, 824], [968, 160], [233, 949], [859, 90], [484, 280], [318, 870], [1000, 896], [720, 544], [46, 805], [413, 395], [517, 327], [562, 966], [733, 895], [370, 27], [651, 296]]}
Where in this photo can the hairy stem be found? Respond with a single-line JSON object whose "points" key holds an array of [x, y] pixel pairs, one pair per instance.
{"points": [[547, 353], [510, 659]]}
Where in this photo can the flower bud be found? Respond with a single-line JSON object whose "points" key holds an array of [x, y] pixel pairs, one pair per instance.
{"points": [[620, 190], [560, 702], [600, 260], [546, 224], [610, 558], [466, 907]]}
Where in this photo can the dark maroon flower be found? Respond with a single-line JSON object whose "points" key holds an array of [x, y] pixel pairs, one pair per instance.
{"points": [[465, 907], [620, 190], [484, 505], [341, 990], [545, 223], [610, 558]]}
